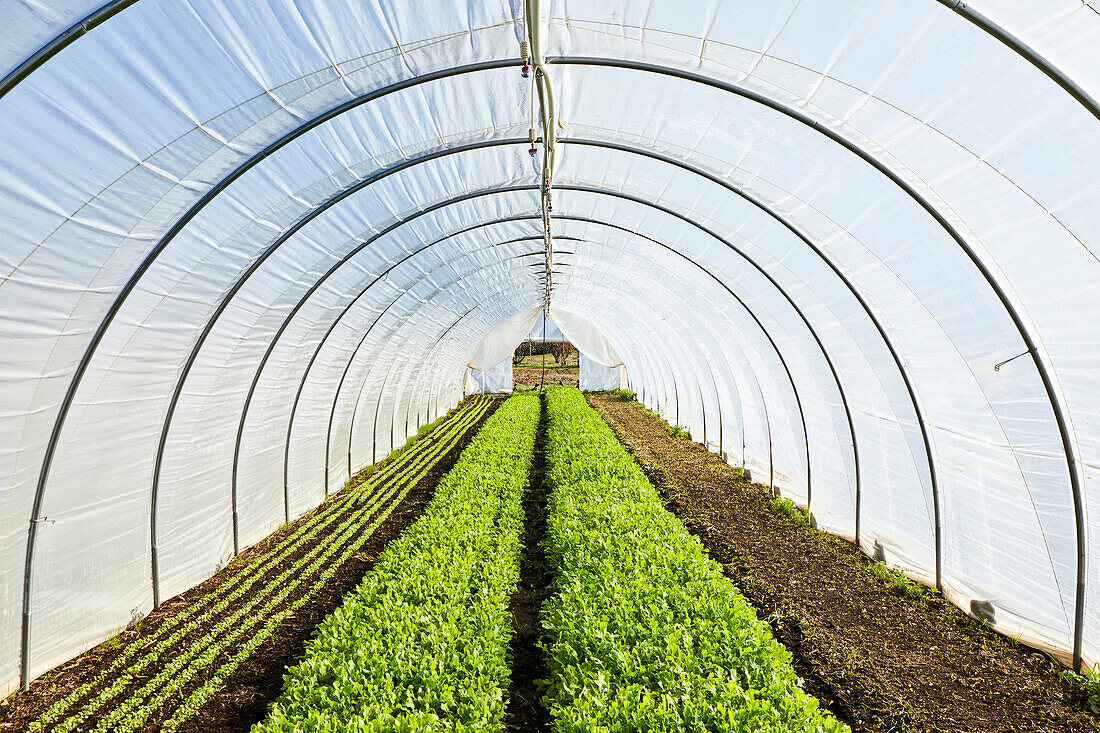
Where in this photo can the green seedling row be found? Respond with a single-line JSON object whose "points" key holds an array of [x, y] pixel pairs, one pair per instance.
{"points": [[184, 667], [131, 713], [121, 683], [421, 644], [202, 657], [199, 697], [643, 632], [437, 442]]}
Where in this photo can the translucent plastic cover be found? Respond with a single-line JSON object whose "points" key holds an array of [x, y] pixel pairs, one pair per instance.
{"points": [[250, 247]]}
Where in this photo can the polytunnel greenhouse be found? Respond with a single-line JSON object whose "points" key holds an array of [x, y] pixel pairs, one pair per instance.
{"points": [[831, 269]]}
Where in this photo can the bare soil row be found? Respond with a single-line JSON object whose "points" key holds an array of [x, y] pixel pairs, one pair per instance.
{"points": [[879, 659], [289, 582]]}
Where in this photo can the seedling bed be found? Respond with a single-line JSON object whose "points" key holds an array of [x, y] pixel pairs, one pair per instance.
{"points": [[212, 658], [874, 652]]}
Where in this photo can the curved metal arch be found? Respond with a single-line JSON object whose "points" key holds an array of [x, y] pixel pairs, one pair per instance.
{"points": [[918, 410], [778, 217], [389, 337], [773, 214], [431, 349], [635, 337], [392, 366], [753, 316], [135, 277], [420, 367], [179, 225], [60, 41], [386, 231], [174, 231], [507, 219], [735, 398], [494, 263], [686, 220], [332, 326], [388, 374], [111, 8], [521, 188], [1063, 429], [286, 323], [1027, 52], [309, 216], [403, 165], [191, 213], [1038, 356], [275, 340], [390, 369], [797, 309], [256, 263], [1014, 42], [351, 359], [696, 368], [758, 392]]}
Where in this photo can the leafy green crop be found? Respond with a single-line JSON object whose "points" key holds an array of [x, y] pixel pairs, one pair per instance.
{"points": [[643, 631], [897, 582], [266, 582], [421, 644], [1089, 681], [787, 508], [679, 431]]}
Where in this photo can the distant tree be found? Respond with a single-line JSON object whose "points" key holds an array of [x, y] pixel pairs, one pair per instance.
{"points": [[562, 351]]}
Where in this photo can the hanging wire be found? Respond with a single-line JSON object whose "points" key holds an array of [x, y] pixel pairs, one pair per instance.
{"points": [[542, 376]]}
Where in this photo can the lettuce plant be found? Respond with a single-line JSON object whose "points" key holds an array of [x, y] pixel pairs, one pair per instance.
{"points": [[643, 632]]}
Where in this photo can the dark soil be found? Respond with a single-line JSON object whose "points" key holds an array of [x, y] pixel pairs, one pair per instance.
{"points": [[529, 377], [879, 659], [525, 709], [244, 698]]}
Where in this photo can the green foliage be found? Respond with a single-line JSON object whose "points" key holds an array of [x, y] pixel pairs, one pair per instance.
{"points": [[675, 431], [1089, 681], [643, 631], [624, 394], [413, 440], [421, 644], [897, 582], [679, 431], [787, 508], [252, 579]]}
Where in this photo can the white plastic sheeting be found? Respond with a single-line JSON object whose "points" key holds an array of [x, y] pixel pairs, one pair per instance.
{"points": [[502, 342], [493, 380], [545, 330], [601, 368], [588, 340], [489, 369], [595, 377], [249, 248]]}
